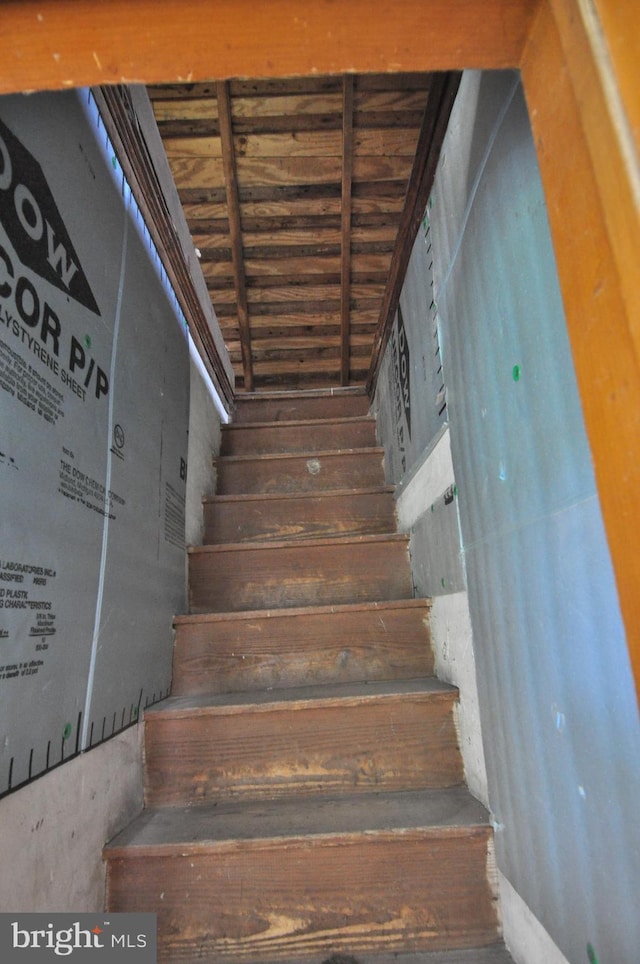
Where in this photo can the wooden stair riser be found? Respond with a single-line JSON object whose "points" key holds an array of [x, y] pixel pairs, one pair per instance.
{"points": [[291, 407], [399, 743], [282, 575], [297, 898], [309, 436], [324, 471], [242, 518], [261, 651]]}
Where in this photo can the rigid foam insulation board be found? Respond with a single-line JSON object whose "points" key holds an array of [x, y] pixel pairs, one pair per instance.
{"points": [[94, 382]]}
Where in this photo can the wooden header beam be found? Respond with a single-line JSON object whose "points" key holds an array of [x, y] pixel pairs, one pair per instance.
{"points": [[580, 70], [72, 43]]}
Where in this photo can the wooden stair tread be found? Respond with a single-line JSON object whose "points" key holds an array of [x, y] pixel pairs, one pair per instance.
{"points": [[252, 614], [310, 454], [299, 423], [296, 436], [322, 468], [174, 829], [303, 515], [494, 954], [278, 648], [274, 406], [333, 694], [391, 538], [293, 496]]}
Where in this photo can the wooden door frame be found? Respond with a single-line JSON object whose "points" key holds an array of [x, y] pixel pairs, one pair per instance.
{"points": [[578, 60]]}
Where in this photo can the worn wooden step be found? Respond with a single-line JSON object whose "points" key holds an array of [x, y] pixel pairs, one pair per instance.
{"points": [[277, 881], [307, 472], [227, 652], [240, 518], [304, 436], [351, 736], [495, 953], [292, 406], [313, 572]]}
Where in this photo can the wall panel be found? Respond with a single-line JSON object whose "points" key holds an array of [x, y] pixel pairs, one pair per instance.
{"points": [[559, 714], [94, 394]]}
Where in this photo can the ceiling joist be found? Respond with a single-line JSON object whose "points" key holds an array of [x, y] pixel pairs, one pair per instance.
{"points": [[294, 190]]}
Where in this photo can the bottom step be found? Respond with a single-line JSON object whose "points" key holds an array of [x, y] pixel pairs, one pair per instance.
{"points": [[495, 954], [276, 881]]}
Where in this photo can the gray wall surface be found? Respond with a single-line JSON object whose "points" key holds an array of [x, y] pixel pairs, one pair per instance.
{"points": [[94, 393], [558, 705], [557, 701]]}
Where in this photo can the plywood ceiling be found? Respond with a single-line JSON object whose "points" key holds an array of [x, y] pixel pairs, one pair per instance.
{"points": [[294, 191]]}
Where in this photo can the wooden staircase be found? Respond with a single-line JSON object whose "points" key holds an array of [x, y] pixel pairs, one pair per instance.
{"points": [[304, 787]]}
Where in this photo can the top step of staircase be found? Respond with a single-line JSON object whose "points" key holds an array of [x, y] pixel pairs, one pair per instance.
{"points": [[298, 406]]}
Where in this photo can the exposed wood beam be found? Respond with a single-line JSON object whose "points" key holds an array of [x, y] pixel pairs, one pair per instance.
{"points": [[137, 164], [345, 267], [235, 228], [71, 43], [436, 117]]}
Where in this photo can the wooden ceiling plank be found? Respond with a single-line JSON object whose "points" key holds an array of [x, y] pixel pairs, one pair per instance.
{"points": [[390, 188], [201, 146], [385, 232], [189, 128], [296, 192], [302, 340], [436, 117], [310, 222], [295, 279], [185, 108], [396, 100], [292, 143], [387, 119], [289, 171], [293, 236], [209, 225], [213, 211], [287, 105], [321, 306], [370, 262], [290, 293], [381, 168], [283, 86], [345, 269], [235, 228], [182, 91], [397, 141], [381, 246], [296, 322], [202, 195], [317, 365], [276, 251], [307, 206], [261, 268], [278, 124], [197, 172]]}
